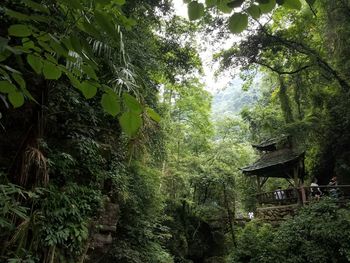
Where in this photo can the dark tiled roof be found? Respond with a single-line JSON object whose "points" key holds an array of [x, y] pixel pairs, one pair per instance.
{"points": [[273, 160], [266, 143], [270, 144]]}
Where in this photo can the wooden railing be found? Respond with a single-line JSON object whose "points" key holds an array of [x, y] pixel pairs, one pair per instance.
{"points": [[303, 195]]}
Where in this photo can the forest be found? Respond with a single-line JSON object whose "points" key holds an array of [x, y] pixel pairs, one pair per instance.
{"points": [[114, 148]]}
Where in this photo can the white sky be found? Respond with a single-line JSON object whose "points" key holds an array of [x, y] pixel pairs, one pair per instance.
{"points": [[206, 52]]}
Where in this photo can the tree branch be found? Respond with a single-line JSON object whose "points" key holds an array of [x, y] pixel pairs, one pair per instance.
{"points": [[279, 72], [303, 49]]}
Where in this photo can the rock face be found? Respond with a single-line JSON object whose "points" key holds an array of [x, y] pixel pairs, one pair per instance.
{"points": [[276, 214], [102, 232]]}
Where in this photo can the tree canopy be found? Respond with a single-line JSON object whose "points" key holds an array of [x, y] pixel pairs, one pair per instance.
{"points": [[113, 148]]}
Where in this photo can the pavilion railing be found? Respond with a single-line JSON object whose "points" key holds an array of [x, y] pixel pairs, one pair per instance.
{"points": [[304, 194]]}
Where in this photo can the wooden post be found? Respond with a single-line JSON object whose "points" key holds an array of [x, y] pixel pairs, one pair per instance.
{"points": [[296, 184], [259, 189], [303, 195]]}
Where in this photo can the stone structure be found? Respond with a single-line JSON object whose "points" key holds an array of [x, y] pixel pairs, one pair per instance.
{"points": [[276, 214], [102, 232]]}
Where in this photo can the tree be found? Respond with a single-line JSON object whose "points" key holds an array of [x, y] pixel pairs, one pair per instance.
{"points": [[242, 9]]}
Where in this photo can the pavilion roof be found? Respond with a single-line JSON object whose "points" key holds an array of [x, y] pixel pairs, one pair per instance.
{"points": [[274, 164], [270, 144]]}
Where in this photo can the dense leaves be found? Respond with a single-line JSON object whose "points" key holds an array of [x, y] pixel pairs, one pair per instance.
{"points": [[110, 149], [317, 234], [253, 9]]}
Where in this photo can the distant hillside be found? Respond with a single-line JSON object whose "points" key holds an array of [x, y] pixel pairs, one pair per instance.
{"points": [[231, 100]]}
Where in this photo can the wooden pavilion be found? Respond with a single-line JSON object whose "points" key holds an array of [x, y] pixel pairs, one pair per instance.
{"points": [[278, 160]]}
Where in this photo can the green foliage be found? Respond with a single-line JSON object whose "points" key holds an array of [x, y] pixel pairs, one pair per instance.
{"points": [[65, 216], [326, 239], [317, 234], [267, 7], [19, 31], [238, 22], [16, 98], [254, 11], [53, 53], [255, 243], [153, 115], [195, 10], [110, 104], [130, 122], [174, 176], [10, 206], [141, 236], [292, 4]]}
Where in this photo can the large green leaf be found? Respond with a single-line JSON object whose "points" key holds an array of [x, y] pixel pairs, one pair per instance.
{"points": [[254, 11], [153, 115], [51, 71], [210, 3], [292, 4], [131, 103], [19, 30], [268, 7], [88, 89], [223, 7], [238, 22], [7, 87], [110, 103], [195, 10], [130, 122], [16, 98], [235, 3]]}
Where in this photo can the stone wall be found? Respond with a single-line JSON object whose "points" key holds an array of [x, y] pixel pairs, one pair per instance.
{"points": [[102, 232], [276, 214]]}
